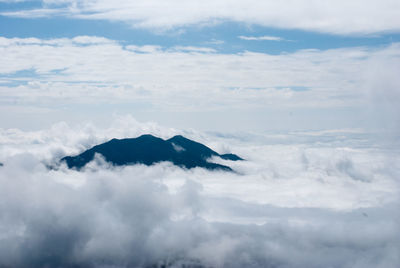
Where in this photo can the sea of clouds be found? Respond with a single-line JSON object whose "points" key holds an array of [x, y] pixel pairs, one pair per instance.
{"points": [[301, 199]]}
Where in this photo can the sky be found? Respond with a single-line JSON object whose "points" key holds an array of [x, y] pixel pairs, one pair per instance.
{"points": [[211, 65], [306, 91]]}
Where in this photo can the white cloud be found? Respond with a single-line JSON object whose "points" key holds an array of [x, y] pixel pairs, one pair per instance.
{"points": [[105, 68], [302, 161], [262, 38], [338, 17], [78, 40], [144, 49], [278, 211], [91, 40]]}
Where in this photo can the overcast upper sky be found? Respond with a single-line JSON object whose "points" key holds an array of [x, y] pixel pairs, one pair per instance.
{"points": [[211, 65]]}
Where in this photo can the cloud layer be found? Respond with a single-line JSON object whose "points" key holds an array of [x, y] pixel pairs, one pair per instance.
{"points": [[296, 205], [94, 70], [339, 17]]}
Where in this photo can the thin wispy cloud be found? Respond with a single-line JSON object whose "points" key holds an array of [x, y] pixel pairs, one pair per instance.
{"points": [[194, 49], [262, 38]]}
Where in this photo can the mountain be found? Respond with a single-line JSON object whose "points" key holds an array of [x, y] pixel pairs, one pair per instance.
{"points": [[148, 150]]}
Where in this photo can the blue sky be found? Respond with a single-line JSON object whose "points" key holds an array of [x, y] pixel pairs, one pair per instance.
{"points": [[286, 65], [223, 37]]}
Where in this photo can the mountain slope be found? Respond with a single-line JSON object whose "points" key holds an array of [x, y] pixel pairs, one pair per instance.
{"points": [[148, 150]]}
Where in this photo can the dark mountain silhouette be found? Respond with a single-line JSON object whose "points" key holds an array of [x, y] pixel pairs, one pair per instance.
{"points": [[148, 150]]}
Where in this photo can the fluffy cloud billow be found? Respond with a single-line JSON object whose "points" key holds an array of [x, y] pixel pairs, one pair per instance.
{"points": [[297, 204]]}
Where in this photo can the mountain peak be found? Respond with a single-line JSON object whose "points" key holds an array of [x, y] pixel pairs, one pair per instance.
{"points": [[147, 136], [178, 137]]}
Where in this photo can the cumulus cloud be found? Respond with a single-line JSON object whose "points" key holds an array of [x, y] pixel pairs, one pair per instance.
{"points": [[339, 17], [294, 205]]}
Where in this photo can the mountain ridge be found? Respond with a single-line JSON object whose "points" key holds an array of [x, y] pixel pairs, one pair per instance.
{"points": [[148, 149]]}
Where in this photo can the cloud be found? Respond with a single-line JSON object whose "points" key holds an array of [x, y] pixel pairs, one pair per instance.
{"points": [[144, 49], [381, 74], [339, 17], [307, 213], [270, 161], [76, 41], [85, 67], [262, 38]]}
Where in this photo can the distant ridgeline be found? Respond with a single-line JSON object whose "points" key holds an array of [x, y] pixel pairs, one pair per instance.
{"points": [[148, 150]]}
